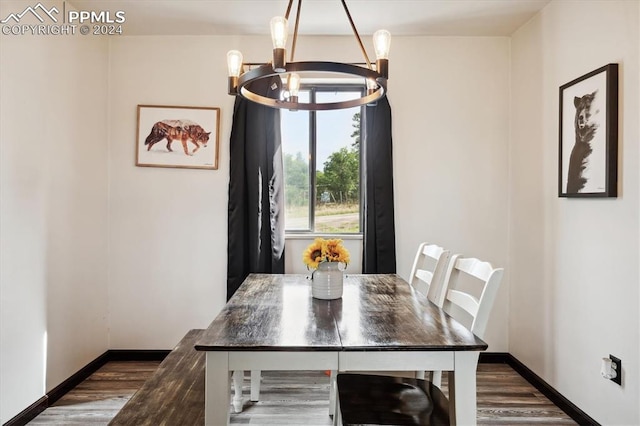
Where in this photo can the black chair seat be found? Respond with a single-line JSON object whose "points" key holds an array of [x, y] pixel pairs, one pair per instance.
{"points": [[384, 400]]}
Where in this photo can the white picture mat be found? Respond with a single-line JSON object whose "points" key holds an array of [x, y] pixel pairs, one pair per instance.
{"points": [[596, 170]]}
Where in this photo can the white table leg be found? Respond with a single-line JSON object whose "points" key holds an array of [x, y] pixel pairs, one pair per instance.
{"points": [[462, 388], [337, 417], [256, 377], [238, 378], [333, 393], [217, 382]]}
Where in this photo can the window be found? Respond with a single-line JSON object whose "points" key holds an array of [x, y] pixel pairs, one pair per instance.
{"points": [[321, 153]]}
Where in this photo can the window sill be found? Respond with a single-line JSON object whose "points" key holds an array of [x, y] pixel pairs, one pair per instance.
{"points": [[311, 236]]}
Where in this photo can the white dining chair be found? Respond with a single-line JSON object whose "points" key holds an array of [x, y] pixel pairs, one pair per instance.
{"points": [[477, 304], [428, 270], [468, 293], [427, 274], [238, 379]]}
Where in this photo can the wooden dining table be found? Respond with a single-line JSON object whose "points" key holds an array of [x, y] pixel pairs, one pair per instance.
{"points": [[380, 324]]}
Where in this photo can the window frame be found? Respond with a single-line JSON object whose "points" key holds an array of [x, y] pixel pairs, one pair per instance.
{"points": [[313, 89]]}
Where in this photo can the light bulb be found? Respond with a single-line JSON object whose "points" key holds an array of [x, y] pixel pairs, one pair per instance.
{"points": [[279, 38], [381, 43], [372, 86], [294, 84], [234, 62], [279, 32]]}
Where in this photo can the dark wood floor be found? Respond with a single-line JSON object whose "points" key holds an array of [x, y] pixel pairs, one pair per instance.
{"points": [[295, 398]]}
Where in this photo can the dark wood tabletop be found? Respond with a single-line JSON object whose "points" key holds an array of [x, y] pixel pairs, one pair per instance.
{"points": [[377, 312]]}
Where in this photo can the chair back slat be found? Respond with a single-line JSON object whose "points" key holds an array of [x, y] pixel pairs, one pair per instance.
{"points": [[424, 275], [474, 267], [462, 300]]}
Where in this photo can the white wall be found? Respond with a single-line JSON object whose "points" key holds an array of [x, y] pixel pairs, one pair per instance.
{"points": [[574, 262], [167, 270], [450, 102], [77, 227], [168, 235], [53, 215]]}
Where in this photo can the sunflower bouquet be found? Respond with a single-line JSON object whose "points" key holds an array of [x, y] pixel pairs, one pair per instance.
{"points": [[321, 250]]}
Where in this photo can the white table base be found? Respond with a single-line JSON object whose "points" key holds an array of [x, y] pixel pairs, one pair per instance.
{"points": [[460, 364]]}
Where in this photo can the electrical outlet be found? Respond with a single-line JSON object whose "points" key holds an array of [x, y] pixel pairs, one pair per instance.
{"points": [[616, 364]]}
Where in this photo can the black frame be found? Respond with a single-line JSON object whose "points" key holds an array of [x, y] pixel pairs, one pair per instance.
{"points": [[597, 88]]}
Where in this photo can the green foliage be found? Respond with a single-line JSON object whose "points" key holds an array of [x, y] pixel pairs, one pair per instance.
{"points": [[296, 172], [337, 187], [341, 174], [356, 131]]}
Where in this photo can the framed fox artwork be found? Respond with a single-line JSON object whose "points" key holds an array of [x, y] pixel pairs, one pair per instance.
{"points": [[178, 136]]}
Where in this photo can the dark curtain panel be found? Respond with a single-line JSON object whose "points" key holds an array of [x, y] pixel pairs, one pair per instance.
{"points": [[256, 189], [379, 254]]}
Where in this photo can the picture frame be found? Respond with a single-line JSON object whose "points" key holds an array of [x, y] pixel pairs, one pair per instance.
{"points": [[185, 137], [588, 135]]}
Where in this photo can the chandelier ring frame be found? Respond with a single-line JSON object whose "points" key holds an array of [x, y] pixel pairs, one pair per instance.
{"points": [[266, 71]]}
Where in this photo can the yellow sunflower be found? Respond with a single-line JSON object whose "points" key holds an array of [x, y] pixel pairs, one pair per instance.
{"points": [[313, 254], [336, 251], [322, 250]]}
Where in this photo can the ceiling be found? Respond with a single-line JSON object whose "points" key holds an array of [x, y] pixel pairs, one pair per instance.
{"points": [[320, 17]]}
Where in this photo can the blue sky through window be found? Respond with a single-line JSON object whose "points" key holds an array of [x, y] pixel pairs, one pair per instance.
{"points": [[334, 128]]}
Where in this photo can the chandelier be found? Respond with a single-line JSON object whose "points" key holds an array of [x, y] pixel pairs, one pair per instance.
{"points": [[241, 75]]}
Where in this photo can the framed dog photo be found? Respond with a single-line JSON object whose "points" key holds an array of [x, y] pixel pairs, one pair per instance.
{"points": [[588, 163], [177, 136]]}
